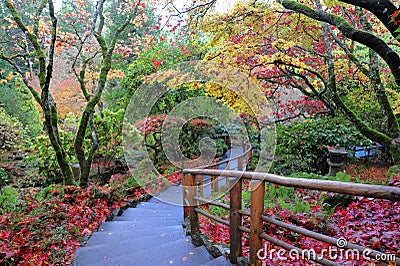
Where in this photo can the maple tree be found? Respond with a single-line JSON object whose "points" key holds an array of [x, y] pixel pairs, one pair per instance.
{"points": [[89, 41], [166, 49], [32, 46], [94, 30], [190, 135], [348, 66], [369, 32]]}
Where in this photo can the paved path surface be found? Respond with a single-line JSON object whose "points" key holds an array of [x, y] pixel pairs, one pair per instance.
{"points": [[173, 195], [150, 234], [232, 166]]}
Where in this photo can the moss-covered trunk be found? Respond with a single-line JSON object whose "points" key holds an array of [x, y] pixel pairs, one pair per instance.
{"points": [[46, 67], [86, 122], [395, 151], [388, 135]]}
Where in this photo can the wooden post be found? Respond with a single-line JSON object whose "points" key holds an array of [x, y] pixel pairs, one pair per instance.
{"points": [[199, 180], [240, 163], [256, 225], [194, 220], [235, 235], [214, 181], [185, 191], [227, 168]]}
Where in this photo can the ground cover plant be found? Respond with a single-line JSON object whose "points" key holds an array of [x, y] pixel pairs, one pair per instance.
{"points": [[46, 225], [367, 222]]}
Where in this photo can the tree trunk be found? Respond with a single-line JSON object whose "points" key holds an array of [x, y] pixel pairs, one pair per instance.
{"points": [[60, 153], [85, 172], [394, 151]]}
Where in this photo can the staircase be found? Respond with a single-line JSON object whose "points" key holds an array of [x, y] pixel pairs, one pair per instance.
{"points": [[150, 234]]}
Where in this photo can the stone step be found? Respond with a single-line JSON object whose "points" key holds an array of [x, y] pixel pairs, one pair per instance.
{"points": [[92, 253], [139, 212], [99, 238], [151, 215], [155, 204], [220, 261], [127, 253], [171, 199], [132, 225], [177, 218], [172, 189], [194, 257]]}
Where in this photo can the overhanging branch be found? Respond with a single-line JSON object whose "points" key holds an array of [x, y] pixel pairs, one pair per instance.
{"points": [[362, 37], [382, 9]]}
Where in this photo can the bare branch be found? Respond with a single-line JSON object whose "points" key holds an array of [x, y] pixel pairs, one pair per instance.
{"points": [[24, 77]]}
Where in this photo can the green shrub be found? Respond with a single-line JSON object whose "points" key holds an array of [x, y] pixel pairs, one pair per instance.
{"points": [[43, 159], [394, 170], [303, 146], [131, 182], [4, 177], [18, 102], [222, 148], [8, 198], [331, 200], [109, 134], [219, 211], [281, 196], [340, 176], [14, 139]]}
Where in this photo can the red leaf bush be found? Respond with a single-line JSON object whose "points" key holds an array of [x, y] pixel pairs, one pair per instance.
{"points": [[47, 225]]}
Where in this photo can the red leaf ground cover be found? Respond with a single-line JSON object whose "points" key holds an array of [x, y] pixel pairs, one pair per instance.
{"points": [[46, 226], [372, 223]]}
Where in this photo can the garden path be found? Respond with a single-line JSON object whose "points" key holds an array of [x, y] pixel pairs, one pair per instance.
{"points": [[150, 234]]}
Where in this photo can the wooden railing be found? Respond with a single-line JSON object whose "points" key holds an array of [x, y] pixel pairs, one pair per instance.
{"points": [[243, 159], [193, 199]]}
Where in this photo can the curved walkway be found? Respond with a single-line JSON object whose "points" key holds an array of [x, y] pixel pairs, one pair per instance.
{"points": [[150, 234]]}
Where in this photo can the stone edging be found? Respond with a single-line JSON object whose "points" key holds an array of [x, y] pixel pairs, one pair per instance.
{"points": [[215, 250]]}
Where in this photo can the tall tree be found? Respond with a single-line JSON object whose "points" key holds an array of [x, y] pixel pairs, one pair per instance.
{"points": [[348, 65], [370, 31], [96, 35], [32, 44]]}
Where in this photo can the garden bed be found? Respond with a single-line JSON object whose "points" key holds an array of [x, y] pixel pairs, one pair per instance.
{"points": [[372, 223], [46, 225]]}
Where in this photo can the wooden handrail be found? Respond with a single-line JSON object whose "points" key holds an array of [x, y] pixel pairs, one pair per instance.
{"points": [[247, 149], [235, 217], [224, 161], [256, 211], [349, 188]]}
